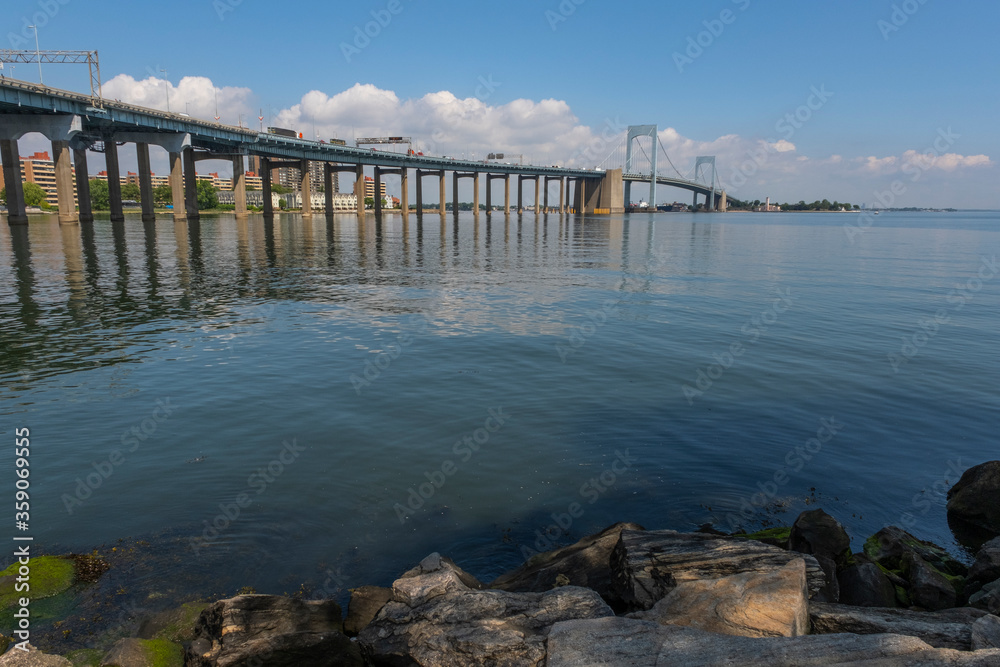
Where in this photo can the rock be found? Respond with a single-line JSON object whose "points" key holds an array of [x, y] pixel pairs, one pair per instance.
{"points": [[436, 563], [624, 641], [272, 630], [134, 652], [176, 625], [435, 619], [586, 563], [986, 633], [975, 498], [988, 598], [434, 576], [15, 657], [831, 591], [951, 628], [928, 588], [750, 604], [646, 565], [817, 533], [364, 605], [889, 546], [986, 568], [865, 585]]}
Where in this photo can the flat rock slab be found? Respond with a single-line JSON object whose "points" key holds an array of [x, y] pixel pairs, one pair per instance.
{"points": [[15, 657], [621, 641], [646, 565], [773, 604], [951, 628], [476, 627]]}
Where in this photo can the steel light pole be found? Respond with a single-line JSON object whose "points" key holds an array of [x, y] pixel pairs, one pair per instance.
{"points": [[166, 89], [38, 55]]}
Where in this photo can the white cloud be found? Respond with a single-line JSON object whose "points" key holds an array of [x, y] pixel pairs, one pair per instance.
{"points": [[195, 95]]}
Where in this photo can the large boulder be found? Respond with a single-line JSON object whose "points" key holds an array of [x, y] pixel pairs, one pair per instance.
{"points": [[365, 604], [15, 657], [987, 598], [750, 604], [612, 642], [889, 547], [928, 588], [272, 630], [986, 568], [436, 619], [864, 584], [586, 563], [816, 532], [176, 625], [951, 628], [986, 633], [975, 498], [647, 565]]}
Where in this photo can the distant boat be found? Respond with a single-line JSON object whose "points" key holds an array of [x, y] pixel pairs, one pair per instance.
{"points": [[876, 212]]}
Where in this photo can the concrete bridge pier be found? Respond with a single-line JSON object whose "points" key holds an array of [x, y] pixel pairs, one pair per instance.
{"points": [[190, 185], [404, 192], [64, 183], [520, 193], [359, 189], [489, 193], [506, 194], [265, 178], [327, 188], [536, 193], [694, 201], [305, 189], [239, 186], [114, 180], [562, 199], [145, 182], [419, 175], [475, 193], [16, 214], [377, 196], [82, 185], [441, 192], [454, 193], [177, 187]]}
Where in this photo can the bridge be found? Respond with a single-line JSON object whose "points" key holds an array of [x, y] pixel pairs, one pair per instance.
{"points": [[80, 123]]}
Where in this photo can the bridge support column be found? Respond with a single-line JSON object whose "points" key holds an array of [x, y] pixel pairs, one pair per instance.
{"points": [[377, 197], [562, 197], [305, 189], [265, 186], [520, 193], [82, 184], [114, 180], [506, 194], [454, 193], [239, 186], [441, 194], [538, 179], [327, 188], [627, 199], [177, 187], [404, 192], [16, 214], [145, 182], [489, 193], [694, 202], [723, 202], [475, 193], [64, 183], [420, 191], [359, 189], [190, 185]]}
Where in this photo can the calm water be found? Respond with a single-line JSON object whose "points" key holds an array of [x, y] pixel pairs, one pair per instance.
{"points": [[183, 361]]}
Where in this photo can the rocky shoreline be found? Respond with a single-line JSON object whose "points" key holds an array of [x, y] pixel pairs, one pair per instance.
{"points": [[624, 596]]}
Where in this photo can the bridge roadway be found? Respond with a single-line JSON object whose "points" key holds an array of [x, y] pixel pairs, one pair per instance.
{"points": [[80, 122]]}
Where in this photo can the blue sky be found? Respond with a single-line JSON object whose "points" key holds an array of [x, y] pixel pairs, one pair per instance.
{"points": [[891, 87]]}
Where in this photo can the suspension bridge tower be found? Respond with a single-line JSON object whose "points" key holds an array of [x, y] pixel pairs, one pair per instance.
{"points": [[634, 132]]}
